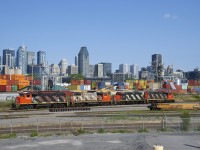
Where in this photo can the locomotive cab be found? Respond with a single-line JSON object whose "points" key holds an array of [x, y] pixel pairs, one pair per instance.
{"points": [[24, 98]]}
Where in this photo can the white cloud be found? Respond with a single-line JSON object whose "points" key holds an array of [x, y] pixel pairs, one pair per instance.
{"points": [[169, 16]]}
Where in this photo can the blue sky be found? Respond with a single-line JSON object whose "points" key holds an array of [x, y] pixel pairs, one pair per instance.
{"points": [[116, 31]]}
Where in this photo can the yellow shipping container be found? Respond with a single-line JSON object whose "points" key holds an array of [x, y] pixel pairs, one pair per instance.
{"points": [[21, 86], [191, 87], [144, 87], [131, 87], [73, 87], [135, 81], [130, 81], [131, 84], [3, 82], [142, 82]]}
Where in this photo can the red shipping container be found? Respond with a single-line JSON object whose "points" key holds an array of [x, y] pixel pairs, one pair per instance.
{"points": [[178, 87], [5, 88], [11, 82], [192, 82], [87, 82], [36, 82]]}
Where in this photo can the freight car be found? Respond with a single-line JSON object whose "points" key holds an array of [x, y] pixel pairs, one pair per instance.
{"points": [[143, 97], [174, 106]]}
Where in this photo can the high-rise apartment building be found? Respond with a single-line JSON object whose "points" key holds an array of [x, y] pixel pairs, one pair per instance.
{"points": [[83, 62], [124, 68], [21, 60], [9, 57], [41, 58]]}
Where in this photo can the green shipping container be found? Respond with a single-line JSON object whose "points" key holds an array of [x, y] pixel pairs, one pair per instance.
{"points": [[14, 88]]}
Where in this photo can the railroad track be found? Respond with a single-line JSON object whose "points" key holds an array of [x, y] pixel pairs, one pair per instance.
{"points": [[73, 128], [69, 109]]}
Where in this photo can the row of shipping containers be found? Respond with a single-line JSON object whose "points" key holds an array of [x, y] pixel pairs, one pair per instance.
{"points": [[13, 82], [129, 84], [134, 85]]}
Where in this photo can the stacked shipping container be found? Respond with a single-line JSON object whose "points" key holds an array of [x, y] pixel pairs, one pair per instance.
{"points": [[11, 83]]}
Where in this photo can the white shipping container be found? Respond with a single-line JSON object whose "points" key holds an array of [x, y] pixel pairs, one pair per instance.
{"points": [[87, 87], [154, 86], [127, 83], [107, 83]]}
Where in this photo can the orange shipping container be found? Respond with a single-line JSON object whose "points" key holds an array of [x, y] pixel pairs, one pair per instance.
{"points": [[17, 77], [22, 82], [3, 82], [2, 76]]}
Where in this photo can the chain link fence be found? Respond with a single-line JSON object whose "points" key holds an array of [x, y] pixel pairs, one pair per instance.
{"points": [[108, 124]]}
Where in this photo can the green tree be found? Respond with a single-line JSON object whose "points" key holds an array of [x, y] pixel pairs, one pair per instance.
{"points": [[76, 77], [185, 117]]}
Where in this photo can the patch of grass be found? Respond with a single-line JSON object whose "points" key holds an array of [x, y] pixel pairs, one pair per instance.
{"points": [[101, 131], [122, 117], [6, 104], [197, 97], [185, 117], [120, 131], [34, 133], [198, 129], [46, 135], [142, 130], [81, 131], [8, 136]]}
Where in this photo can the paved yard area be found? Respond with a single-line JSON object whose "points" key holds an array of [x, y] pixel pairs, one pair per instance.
{"points": [[132, 141]]}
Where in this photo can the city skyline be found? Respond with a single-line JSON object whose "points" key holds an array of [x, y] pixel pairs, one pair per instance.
{"points": [[120, 32], [40, 56]]}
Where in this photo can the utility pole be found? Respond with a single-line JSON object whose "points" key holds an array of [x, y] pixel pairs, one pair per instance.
{"points": [[32, 76]]}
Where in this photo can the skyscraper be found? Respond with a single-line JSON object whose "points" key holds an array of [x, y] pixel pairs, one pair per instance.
{"points": [[83, 62], [22, 58], [134, 69], [76, 61], [9, 57], [30, 58], [63, 67], [41, 58], [107, 69], [72, 69], [156, 61], [98, 71], [124, 68]]}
